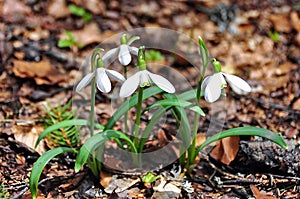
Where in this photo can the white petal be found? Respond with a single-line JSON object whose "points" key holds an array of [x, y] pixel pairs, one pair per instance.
{"points": [[130, 85], [85, 81], [115, 75], [213, 89], [111, 53], [103, 82], [162, 83], [133, 50], [144, 78], [204, 83], [237, 84], [124, 55]]}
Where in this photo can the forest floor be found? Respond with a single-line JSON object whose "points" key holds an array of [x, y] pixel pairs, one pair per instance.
{"points": [[257, 40]]}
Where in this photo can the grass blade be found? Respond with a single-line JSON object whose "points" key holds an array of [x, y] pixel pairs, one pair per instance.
{"points": [[40, 164], [63, 124], [247, 130], [95, 141]]}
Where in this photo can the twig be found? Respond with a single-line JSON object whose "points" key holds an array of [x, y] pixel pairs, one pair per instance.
{"points": [[27, 187], [267, 104]]}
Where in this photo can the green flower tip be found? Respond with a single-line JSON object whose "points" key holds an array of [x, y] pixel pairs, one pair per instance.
{"points": [[217, 65], [141, 58], [124, 39], [200, 38], [100, 63]]}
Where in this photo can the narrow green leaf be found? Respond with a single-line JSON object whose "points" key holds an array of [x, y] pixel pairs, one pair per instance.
{"points": [[40, 164], [248, 130], [66, 123], [180, 103], [95, 141]]}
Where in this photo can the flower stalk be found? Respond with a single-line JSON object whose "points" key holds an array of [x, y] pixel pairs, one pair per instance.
{"points": [[205, 60]]}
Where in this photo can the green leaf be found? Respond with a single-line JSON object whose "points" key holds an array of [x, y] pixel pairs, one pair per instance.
{"points": [[129, 103], [76, 10], [180, 103], [248, 130], [39, 165], [87, 17], [70, 36], [203, 51], [149, 178], [63, 124], [64, 43], [95, 141]]}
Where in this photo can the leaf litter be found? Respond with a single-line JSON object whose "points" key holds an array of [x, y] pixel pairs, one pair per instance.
{"points": [[240, 40]]}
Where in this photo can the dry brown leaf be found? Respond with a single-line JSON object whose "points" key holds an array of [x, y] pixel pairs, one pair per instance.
{"points": [[95, 6], [88, 35], [105, 179], [200, 138], [13, 7], [42, 72], [226, 150], [295, 20], [260, 195], [281, 22], [29, 135], [58, 9]]}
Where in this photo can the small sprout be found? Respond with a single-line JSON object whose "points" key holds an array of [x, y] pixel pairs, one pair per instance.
{"points": [[69, 42], [3, 193], [153, 55], [274, 36], [149, 178], [63, 137], [80, 12]]}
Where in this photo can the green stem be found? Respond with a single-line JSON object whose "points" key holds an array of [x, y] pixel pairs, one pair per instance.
{"points": [[94, 164], [92, 115], [126, 114], [192, 149], [138, 117]]}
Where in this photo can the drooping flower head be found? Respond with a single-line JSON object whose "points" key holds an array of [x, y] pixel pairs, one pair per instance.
{"points": [[101, 74], [124, 51], [144, 78], [213, 85]]}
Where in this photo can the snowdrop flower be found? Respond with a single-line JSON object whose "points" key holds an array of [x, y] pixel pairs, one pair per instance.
{"points": [[144, 78], [212, 85], [102, 78], [123, 51]]}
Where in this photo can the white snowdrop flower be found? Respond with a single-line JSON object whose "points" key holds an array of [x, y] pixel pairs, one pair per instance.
{"points": [[102, 79], [145, 78], [212, 85], [124, 51]]}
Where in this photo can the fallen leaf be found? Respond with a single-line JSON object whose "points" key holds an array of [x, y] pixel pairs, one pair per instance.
{"points": [[295, 20], [281, 22], [120, 185], [90, 34], [28, 135], [226, 150], [105, 179], [42, 72], [259, 194], [58, 9], [13, 7]]}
